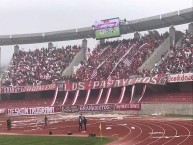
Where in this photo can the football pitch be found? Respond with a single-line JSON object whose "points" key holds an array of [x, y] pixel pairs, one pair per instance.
{"points": [[51, 140]]}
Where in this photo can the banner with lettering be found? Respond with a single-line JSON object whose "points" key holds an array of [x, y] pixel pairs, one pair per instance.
{"points": [[20, 89], [129, 106], [186, 77], [98, 107], [67, 86], [71, 109], [32, 111], [157, 80], [102, 107]]}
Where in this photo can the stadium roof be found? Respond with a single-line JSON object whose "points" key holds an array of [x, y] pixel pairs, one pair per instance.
{"points": [[155, 22]]}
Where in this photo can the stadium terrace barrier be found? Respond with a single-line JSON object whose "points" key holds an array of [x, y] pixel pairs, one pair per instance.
{"points": [[32, 111], [102, 107], [66, 86]]}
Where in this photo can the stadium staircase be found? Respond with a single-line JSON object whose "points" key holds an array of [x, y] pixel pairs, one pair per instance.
{"points": [[156, 55], [80, 56], [178, 43]]}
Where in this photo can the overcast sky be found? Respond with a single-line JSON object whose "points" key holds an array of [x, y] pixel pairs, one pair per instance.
{"points": [[31, 16]]}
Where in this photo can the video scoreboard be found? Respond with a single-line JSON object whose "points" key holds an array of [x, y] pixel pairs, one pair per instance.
{"points": [[107, 28]]}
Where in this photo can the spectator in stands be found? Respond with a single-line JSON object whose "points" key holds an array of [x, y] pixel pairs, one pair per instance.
{"points": [[179, 59], [119, 59]]}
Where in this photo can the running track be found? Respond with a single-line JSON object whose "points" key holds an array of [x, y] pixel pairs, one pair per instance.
{"points": [[130, 130]]}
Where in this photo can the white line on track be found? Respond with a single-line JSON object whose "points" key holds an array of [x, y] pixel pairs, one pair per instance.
{"points": [[187, 135], [115, 142], [146, 137], [152, 123], [176, 132], [134, 137]]}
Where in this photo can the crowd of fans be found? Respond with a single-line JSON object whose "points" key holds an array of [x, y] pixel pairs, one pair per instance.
{"points": [[180, 58], [39, 67], [119, 59], [110, 60]]}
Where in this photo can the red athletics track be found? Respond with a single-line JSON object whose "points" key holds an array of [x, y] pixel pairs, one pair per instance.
{"points": [[126, 130]]}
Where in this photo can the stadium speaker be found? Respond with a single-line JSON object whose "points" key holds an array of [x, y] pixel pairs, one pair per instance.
{"points": [[69, 133], [92, 135], [50, 132]]}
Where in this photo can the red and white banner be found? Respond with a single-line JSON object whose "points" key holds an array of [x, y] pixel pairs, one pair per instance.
{"points": [[110, 83], [31, 111], [6, 90], [67, 86], [20, 89], [186, 77], [130, 106], [101, 107], [40, 88]]}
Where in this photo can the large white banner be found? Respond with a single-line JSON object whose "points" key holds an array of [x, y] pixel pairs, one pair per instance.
{"points": [[186, 77], [30, 111]]}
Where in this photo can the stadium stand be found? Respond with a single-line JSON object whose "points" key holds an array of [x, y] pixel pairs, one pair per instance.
{"points": [[179, 59], [39, 67], [114, 60], [109, 60]]}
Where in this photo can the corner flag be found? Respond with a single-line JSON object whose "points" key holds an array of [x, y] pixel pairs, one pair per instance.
{"points": [[100, 127]]}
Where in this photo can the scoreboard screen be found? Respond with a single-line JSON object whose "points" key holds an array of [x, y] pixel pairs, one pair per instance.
{"points": [[107, 28]]}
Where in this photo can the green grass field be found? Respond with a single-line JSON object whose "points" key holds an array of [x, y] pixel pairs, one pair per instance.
{"points": [[51, 140]]}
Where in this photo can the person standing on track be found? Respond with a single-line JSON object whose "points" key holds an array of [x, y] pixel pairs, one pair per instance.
{"points": [[80, 121], [46, 120], [84, 121], [9, 124]]}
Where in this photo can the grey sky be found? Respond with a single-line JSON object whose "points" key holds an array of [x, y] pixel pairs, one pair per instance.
{"points": [[31, 16]]}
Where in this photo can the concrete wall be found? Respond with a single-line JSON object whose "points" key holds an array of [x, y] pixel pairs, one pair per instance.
{"points": [[169, 108], [162, 109], [16, 49], [190, 28]]}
